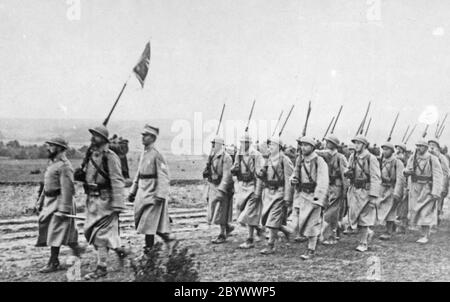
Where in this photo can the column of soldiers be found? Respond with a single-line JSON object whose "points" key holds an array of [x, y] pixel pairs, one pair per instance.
{"points": [[103, 182], [324, 191], [328, 193]]}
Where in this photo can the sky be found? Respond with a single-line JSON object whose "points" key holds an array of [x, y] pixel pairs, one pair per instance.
{"points": [[393, 53]]}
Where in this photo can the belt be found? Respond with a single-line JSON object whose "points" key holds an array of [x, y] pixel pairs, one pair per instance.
{"points": [[422, 179], [307, 187], [52, 193], [147, 176]]}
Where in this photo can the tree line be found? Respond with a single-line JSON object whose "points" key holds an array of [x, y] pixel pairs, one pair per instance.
{"points": [[13, 149]]}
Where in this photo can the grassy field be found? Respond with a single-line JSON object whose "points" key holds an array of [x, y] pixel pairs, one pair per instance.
{"points": [[25, 171]]}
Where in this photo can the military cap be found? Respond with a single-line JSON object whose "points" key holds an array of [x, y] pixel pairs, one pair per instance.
{"points": [[275, 140], [422, 142], [401, 146], [434, 140], [58, 141], [150, 130], [362, 139], [218, 140], [307, 140], [388, 145], [351, 146], [100, 131], [332, 139]]}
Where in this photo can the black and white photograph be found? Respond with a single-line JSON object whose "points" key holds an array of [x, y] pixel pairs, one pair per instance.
{"points": [[225, 141]]}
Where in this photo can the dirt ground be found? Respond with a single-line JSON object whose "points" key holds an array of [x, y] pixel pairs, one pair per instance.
{"points": [[401, 259]]}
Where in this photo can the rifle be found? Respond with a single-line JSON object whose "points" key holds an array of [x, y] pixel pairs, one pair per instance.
{"points": [[207, 171], [287, 118], [361, 126], [393, 127], [424, 134], [337, 118], [368, 125], [442, 125], [295, 180], [307, 119], [276, 126], [412, 130], [404, 135], [329, 125], [250, 115], [442, 130], [238, 157]]}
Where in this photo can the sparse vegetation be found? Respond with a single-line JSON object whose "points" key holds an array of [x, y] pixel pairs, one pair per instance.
{"points": [[156, 267]]}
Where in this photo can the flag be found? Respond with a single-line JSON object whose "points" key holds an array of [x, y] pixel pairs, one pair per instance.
{"points": [[141, 68]]}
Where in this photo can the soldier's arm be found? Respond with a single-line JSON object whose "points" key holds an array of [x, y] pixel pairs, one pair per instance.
{"points": [[375, 177], [323, 153], [322, 180], [399, 179], [343, 167], [117, 181], [65, 204], [163, 183], [438, 176], [227, 180], [259, 164], [288, 170], [446, 174], [135, 185]]}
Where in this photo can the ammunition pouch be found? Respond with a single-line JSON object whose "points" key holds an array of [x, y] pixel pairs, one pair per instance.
{"points": [[52, 193], [333, 179], [360, 183], [95, 189], [246, 177], [349, 174], [79, 175], [308, 187], [274, 184], [387, 182], [215, 181], [421, 179]]}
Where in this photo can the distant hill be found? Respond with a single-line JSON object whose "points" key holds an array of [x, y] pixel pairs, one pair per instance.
{"points": [[36, 131]]}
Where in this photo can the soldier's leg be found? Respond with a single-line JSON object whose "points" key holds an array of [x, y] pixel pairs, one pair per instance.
{"points": [[149, 241], [273, 236], [312, 243], [53, 262], [222, 235], [169, 240], [77, 250], [100, 270], [365, 237], [249, 243], [425, 234]]}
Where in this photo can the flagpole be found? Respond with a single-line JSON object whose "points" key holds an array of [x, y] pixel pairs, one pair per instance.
{"points": [[105, 122]]}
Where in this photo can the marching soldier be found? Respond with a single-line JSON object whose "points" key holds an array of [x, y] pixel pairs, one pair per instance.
{"points": [[103, 186], [56, 204], [150, 189], [392, 186], [337, 192], [277, 193], [220, 189], [425, 189], [364, 190], [310, 179], [402, 208], [249, 189], [434, 147]]}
